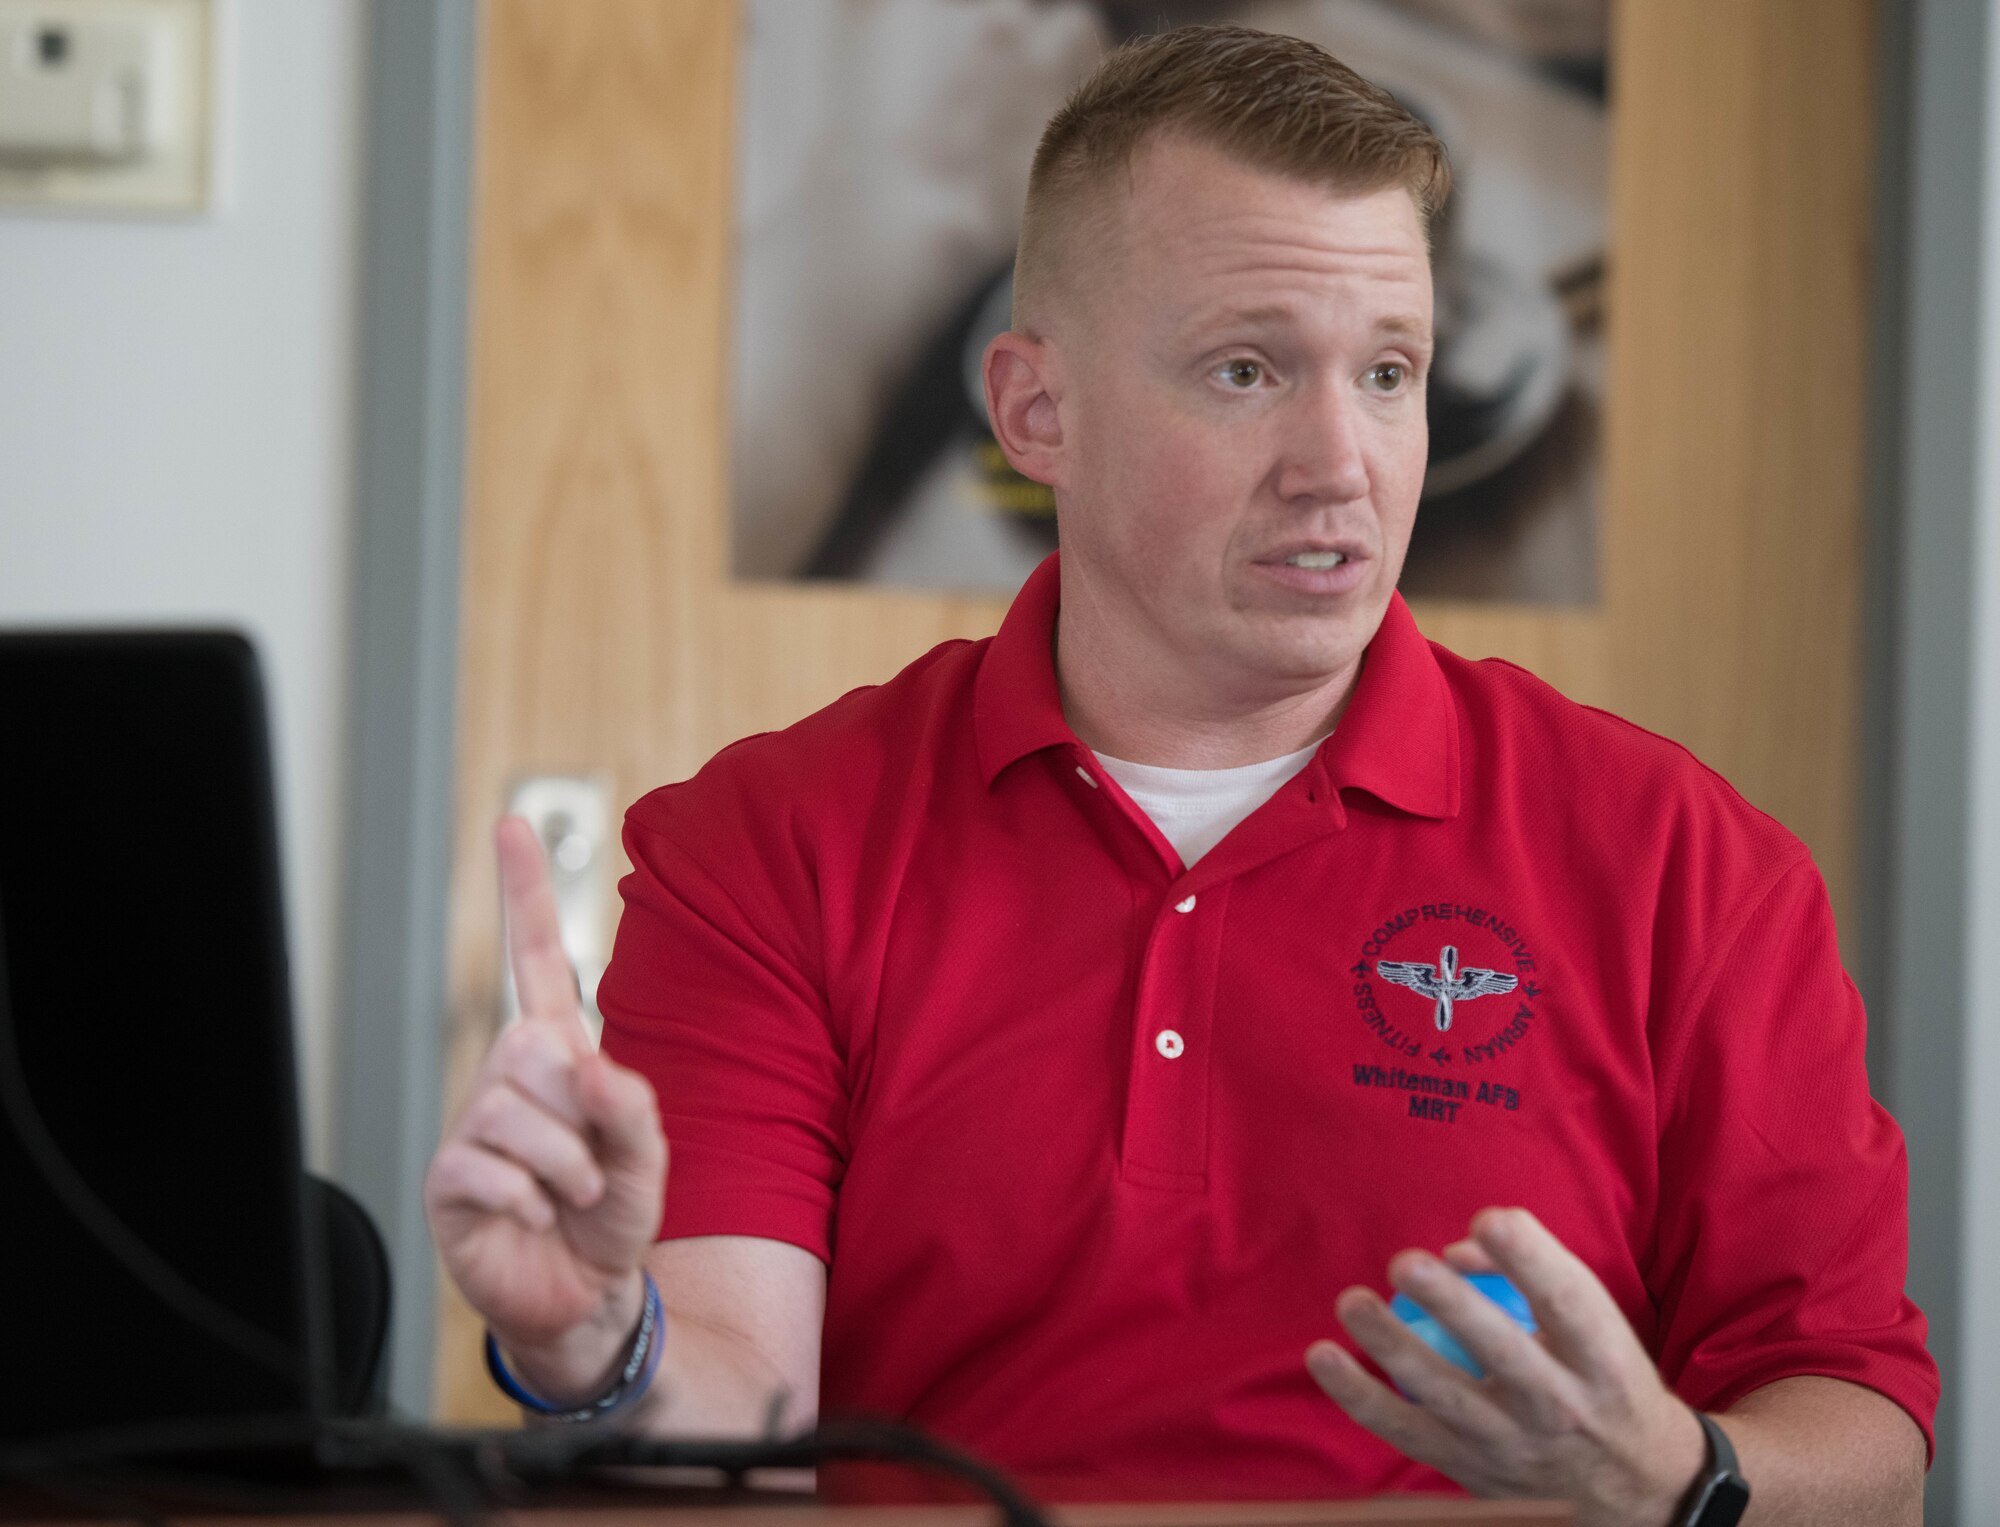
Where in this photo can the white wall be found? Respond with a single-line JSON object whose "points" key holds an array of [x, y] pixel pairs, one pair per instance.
{"points": [[175, 427]]}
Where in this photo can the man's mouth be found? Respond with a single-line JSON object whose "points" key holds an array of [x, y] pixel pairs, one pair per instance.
{"points": [[1318, 569]]}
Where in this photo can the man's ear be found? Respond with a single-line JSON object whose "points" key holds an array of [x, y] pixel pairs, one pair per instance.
{"points": [[1024, 384]]}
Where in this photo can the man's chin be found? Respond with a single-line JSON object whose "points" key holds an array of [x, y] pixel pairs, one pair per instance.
{"points": [[1298, 666], [1302, 646]]}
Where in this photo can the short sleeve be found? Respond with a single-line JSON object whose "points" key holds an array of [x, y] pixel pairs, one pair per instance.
{"points": [[710, 994], [1783, 1228]]}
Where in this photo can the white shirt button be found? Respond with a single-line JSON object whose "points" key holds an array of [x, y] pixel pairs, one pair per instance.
{"points": [[1086, 776], [1169, 1044], [1184, 906]]}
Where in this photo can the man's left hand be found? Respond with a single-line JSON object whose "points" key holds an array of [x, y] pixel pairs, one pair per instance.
{"points": [[1575, 1412]]}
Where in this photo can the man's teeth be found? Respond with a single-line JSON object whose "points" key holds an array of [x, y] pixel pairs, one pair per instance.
{"points": [[1315, 559]]}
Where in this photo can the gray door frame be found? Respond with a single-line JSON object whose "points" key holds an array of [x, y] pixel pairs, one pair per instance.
{"points": [[422, 68], [1927, 607]]}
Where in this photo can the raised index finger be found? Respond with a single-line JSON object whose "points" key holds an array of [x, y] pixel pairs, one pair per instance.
{"points": [[543, 979]]}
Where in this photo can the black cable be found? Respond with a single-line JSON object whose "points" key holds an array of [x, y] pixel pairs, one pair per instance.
{"points": [[460, 1473], [457, 1498], [106, 1467], [183, 1458], [564, 1455], [93, 1499]]}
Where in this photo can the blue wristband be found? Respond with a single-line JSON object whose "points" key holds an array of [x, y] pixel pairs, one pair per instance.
{"points": [[634, 1378]]}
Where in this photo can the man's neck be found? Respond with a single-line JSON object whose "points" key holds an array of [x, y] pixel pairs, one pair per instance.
{"points": [[1185, 719]]}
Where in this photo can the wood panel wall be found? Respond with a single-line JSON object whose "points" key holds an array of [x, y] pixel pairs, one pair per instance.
{"points": [[600, 629]]}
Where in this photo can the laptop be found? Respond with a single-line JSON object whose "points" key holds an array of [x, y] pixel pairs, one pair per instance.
{"points": [[159, 1265]]}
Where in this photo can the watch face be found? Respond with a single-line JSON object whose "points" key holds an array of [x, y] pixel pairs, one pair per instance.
{"points": [[1723, 1504]]}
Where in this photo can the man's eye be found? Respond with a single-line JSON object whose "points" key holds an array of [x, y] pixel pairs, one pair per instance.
{"points": [[1389, 376], [1242, 375]]}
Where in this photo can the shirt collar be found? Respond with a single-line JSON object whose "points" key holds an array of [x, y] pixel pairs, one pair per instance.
{"points": [[1397, 739], [1016, 706]]}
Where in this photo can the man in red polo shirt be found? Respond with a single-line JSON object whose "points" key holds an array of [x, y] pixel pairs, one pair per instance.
{"points": [[1059, 1042]]}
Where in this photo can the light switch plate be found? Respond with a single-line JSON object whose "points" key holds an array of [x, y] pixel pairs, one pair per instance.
{"points": [[108, 105], [571, 814]]}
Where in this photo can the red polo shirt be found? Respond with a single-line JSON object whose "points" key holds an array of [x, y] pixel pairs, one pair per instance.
{"points": [[1089, 1141]]}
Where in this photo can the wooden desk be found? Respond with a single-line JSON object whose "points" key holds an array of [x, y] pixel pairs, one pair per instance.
{"points": [[1406, 1511]]}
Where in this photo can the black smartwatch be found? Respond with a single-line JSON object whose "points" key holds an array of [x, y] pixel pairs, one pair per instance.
{"points": [[1720, 1493]]}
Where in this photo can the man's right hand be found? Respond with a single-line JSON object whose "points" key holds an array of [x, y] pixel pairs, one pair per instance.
{"points": [[546, 1192]]}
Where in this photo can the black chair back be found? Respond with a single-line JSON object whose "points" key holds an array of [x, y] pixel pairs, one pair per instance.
{"points": [[358, 1287]]}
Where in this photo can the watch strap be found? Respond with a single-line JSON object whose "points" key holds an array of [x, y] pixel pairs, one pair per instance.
{"points": [[1720, 1493]]}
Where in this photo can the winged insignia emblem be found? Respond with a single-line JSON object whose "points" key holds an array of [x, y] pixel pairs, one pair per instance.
{"points": [[1444, 983]]}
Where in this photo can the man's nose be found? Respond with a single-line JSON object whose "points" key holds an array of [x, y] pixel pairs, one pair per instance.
{"points": [[1323, 459]]}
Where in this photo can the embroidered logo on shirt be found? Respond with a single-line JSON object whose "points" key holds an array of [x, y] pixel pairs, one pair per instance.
{"points": [[1445, 983], [1437, 1097], [1479, 954]]}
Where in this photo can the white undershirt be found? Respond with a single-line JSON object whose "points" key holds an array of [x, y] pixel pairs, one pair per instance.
{"points": [[1195, 808]]}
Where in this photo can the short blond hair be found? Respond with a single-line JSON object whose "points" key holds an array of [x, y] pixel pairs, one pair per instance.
{"points": [[1276, 103]]}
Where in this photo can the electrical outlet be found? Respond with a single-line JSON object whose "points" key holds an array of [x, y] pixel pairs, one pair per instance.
{"points": [[107, 105], [571, 814]]}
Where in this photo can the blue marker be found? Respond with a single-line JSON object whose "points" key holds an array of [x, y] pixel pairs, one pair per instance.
{"points": [[1495, 1286]]}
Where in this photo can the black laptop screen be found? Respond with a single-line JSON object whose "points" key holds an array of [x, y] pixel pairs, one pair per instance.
{"points": [[145, 1030]]}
